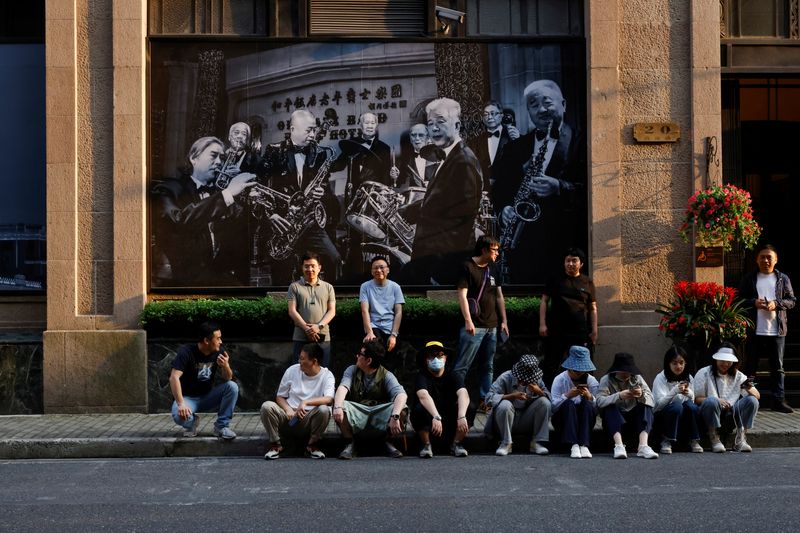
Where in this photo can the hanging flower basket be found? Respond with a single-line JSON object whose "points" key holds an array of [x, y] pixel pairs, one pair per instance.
{"points": [[704, 313], [720, 216]]}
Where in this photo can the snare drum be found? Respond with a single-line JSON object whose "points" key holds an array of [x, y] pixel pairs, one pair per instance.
{"points": [[366, 210], [413, 194]]}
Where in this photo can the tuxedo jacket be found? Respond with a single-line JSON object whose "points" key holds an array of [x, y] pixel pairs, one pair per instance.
{"points": [[480, 146], [373, 165], [409, 175]]}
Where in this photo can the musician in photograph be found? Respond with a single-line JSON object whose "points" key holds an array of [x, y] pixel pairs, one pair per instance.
{"points": [[445, 232], [539, 188], [298, 168], [241, 153], [366, 157], [489, 144], [415, 170], [199, 229]]}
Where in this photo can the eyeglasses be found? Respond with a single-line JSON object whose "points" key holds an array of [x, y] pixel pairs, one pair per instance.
{"points": [[417, 134], [492, 113]]}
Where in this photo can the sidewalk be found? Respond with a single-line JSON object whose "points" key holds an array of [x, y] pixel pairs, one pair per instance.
{"points": [[140, 435]]}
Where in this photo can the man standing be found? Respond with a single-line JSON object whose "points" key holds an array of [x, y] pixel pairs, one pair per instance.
{"points": [[369, 398], [446, 223], [442, 403], [539, 187], [415, 170], [302, 404], [489, 145], [199, 231], [291, 167], [769, 295], [373, 160], [312, 306], [480, 298], [192, 378], [572, 315], [381, 302]]}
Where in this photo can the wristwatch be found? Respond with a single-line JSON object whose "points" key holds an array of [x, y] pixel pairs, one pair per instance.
{"points": [[320, 325], [394, 334], [437, 417], [395, 417]]}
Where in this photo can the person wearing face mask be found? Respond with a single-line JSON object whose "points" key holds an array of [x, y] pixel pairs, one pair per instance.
{"points": [[441, 414]]}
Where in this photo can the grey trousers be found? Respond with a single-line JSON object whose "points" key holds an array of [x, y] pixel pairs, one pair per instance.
{"points": [[533, 420], [277, 423]]}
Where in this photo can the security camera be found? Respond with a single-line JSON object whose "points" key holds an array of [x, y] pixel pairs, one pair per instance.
{"points": [[450, 14]]}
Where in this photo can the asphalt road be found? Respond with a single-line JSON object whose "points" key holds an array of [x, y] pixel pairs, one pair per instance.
{"points": [[709, 492]]}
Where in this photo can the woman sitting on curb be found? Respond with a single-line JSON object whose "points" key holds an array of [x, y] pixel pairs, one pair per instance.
{"points": [[675, 410], [574, 410], [722, 391], [624, 398]]}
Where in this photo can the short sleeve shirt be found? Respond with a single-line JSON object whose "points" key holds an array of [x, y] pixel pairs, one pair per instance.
{"points": [[391, 387], [571, 298], [295, 386], [471, 277], [312, 304], [198, 370], [442, 390], [381, 300]]}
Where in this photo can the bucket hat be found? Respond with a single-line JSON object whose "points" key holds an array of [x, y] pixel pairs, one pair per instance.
{"points": [[579, 360], [623, 362], [527, 369]]}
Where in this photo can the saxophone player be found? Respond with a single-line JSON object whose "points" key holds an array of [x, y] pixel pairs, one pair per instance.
{"points": [[540, 178], [289, 167]]}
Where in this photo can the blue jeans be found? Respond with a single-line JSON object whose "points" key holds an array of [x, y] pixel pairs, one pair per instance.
{"points": [[772, 348], [743, 413], [222, 398], [679, 419], [640, 418], [575, 422], [482, 344]]}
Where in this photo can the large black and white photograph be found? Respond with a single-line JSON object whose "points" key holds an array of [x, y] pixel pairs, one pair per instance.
{"points": [[405, 150]]}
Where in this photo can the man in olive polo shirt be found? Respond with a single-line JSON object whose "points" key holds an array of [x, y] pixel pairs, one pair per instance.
{"points": [[312, 305]]}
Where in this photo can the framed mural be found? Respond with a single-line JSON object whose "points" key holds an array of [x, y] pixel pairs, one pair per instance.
{"points": [[407, 150]]}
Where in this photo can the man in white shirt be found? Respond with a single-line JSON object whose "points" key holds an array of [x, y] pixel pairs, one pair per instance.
{"points": [[302, 404]]}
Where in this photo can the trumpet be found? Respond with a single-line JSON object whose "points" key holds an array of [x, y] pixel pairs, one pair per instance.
{"points": [[230, 168]]}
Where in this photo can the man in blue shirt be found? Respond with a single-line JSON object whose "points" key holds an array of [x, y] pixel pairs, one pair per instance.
{"points": [[381, 305]]}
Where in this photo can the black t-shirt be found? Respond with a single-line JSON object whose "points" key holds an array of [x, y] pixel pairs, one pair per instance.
{"points": [[571, 301], [198, 370], [441, 389], [471, 277]]}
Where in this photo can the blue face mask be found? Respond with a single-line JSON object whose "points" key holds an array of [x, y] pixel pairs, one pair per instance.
{"points": [[436, 364]]}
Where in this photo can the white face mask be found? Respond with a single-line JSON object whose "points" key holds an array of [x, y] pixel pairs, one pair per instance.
{"points": [[436, 364]]}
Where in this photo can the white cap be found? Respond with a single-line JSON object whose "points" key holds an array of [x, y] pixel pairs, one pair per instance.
{"points": [[725, 354]]}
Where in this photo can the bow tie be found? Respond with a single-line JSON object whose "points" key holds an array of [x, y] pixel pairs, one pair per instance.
{"points": [[493, 134], [540, 134], [206, 189], [300, 149]]}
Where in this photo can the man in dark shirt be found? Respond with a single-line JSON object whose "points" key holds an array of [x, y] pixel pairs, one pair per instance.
{"points": [[572, 318], [480, 298], [192, 383], [442, 403]]}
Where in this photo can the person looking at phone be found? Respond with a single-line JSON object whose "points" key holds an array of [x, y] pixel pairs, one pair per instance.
{"points": [[480, 299], [192, 383], [302, 404], [724, 394], [520, 403], [674, 408], [573, 397], [768, 293], [624, 399], [312, 306]]}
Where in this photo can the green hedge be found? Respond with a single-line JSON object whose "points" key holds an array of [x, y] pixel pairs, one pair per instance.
{"points": [[267, 317]]}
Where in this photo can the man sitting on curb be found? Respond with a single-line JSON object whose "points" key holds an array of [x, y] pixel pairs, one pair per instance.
{"points": [[520, 403], [369, 398], [192, 379], [302, 403], [442, 402]]}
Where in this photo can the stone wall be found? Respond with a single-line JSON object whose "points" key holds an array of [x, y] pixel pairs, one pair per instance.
{"points": [[21, 378]]}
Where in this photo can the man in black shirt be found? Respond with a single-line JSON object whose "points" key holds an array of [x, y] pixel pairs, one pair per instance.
{"points": [[442, 402], [192, 380], [572, 318]]}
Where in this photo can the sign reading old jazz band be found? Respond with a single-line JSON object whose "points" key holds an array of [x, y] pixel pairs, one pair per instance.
{"points": [[411, 151]]}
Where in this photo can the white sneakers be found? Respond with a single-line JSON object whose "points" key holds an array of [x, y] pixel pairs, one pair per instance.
{"points": [[503, 449], [694, 445], [646, 452], [580, 452], [666, 447], [619, 451], [538, 449], [716, 445], [740, 442]]}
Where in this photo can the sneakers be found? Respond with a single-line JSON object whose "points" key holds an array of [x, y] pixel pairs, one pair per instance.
{"points": [[619, 451], [538, 449], [225, 433], [347, 453], [781, 406], [716, 444], [393, 452], [426, 452], [503, 449], [646, 452], [274, 452], [458, 450], [666, 447], [575, 452], [192, 431], [694, 445], [585, 453], [740, 442], [314, 452]]}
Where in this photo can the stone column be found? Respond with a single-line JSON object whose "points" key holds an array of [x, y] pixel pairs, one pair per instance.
{"points": [[94, 355]]}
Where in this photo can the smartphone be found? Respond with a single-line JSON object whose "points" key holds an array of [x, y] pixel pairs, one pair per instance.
{"points": [[503, 337], [321, 338]]}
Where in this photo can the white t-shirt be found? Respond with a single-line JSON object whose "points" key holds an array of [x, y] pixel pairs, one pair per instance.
{"points": [[296, 386], [709, 383], [766, 321]]}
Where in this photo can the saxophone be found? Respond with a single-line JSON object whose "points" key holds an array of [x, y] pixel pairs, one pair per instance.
{"points": [[301, 210]]}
